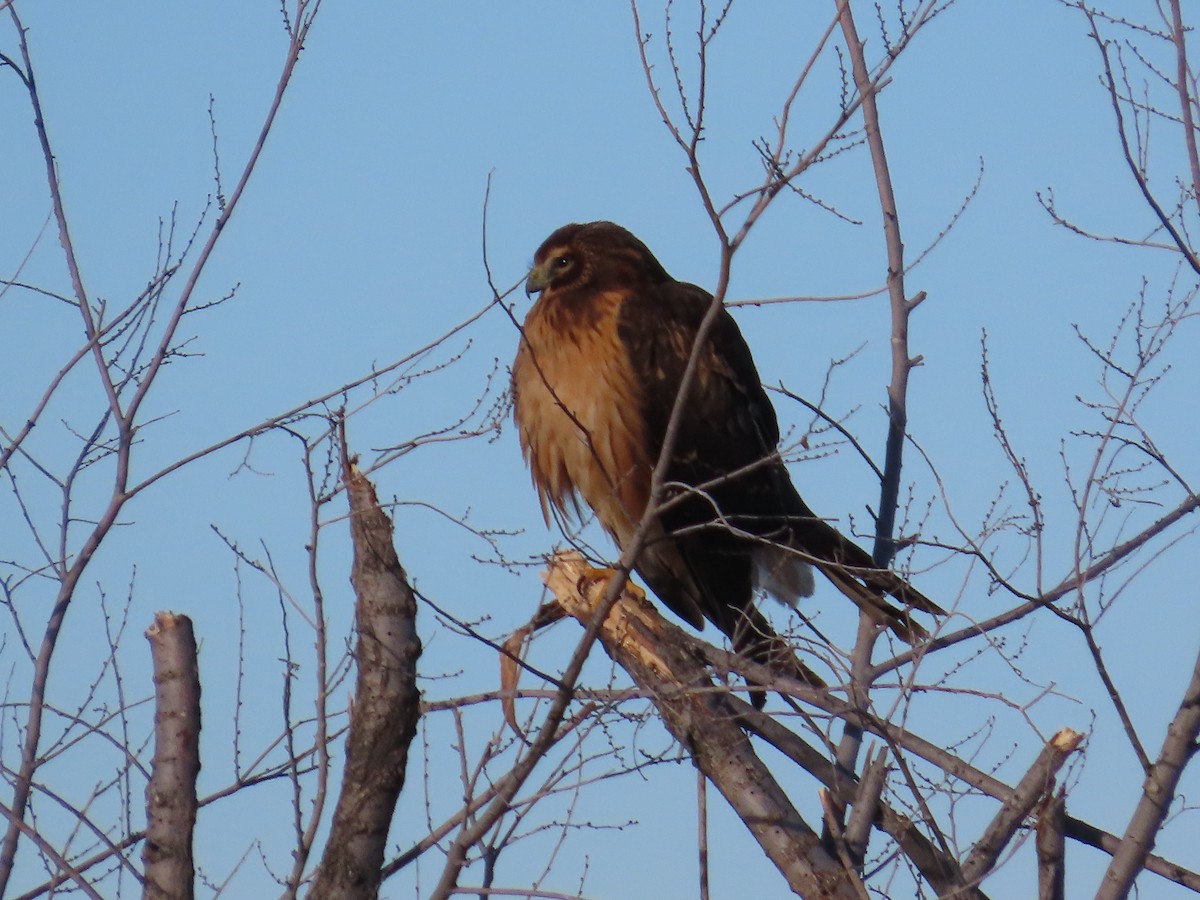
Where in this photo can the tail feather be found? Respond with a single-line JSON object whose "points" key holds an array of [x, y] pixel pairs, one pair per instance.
{"points": [[889, 582], [872, 603], [854, 572]]}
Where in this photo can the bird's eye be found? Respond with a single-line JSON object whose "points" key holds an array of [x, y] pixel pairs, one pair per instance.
{"points": [[562, 262]]}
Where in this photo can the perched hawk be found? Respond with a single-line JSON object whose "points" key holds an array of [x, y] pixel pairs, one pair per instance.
{"points": [[601, 360]]}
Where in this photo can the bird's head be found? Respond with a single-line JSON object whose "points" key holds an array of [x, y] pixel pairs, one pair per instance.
{"points": [[557, 264], [590, 255]]}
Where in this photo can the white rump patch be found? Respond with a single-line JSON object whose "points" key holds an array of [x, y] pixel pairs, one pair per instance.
{"points": [[782, 574]]}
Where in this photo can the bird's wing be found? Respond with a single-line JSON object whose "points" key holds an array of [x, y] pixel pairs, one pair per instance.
{"points": [[724, 474], [729, 424], [725, 456]]}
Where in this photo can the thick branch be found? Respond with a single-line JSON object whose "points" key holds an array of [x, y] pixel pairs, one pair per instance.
{"points": [[171, 793], [940, 870], [386, 703], [705, 721], [1052, 849], [1033, 787], [1157, 793]]}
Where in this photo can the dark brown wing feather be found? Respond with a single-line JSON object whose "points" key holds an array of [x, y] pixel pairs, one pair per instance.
{"points": [[723, 430], [733, 492]]}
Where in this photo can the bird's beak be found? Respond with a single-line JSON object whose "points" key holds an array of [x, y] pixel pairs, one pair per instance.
{"points": [[537, 281]]}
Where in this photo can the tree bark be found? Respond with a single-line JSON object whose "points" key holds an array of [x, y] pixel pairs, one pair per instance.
{"points": [[1158, 791], [386, 704], [1035, 785], [171, 793], [1051, 849], [701, 716]]}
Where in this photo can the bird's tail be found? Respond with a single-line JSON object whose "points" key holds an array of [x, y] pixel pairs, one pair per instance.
{"points": [[855, 574], [868, 597]]}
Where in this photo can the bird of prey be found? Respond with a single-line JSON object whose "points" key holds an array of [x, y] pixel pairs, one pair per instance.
{"points": [[601, 359]]}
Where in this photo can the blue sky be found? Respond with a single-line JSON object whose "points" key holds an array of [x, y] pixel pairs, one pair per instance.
{"points": [[359, 240]]}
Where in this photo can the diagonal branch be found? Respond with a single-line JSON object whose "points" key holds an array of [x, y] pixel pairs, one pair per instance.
{"points": [[939, 869], [1157, 793], [1038, 781], [704, 720]]}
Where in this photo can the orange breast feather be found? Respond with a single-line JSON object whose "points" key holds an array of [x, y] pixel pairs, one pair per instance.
{"points": [[577, 413]]}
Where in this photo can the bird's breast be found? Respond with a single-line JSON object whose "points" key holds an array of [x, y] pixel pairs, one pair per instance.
{"points": [[577, 409]]}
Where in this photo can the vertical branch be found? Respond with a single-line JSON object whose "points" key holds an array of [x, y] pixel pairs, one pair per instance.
{"points": [[1182, 76], [866, 806], [702, 827], [902, 363], [307, 837], [889, 489], [386, 703], [171, 793]]}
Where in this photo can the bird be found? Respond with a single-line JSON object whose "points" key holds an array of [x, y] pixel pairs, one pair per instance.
{"points": [[599, 366]]}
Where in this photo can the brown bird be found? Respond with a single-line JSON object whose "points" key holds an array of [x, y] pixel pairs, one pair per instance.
{"points": [[596, 377]]}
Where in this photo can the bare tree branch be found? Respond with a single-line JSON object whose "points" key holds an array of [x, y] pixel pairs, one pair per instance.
{"points": [[1051, 848], [1033, 787], [704, 722], [884, 547], [386, 708], [125, 418], [1158, 792]]}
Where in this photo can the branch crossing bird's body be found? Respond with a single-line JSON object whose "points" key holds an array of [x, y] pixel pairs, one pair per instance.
{"points": [[596, 377]]}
